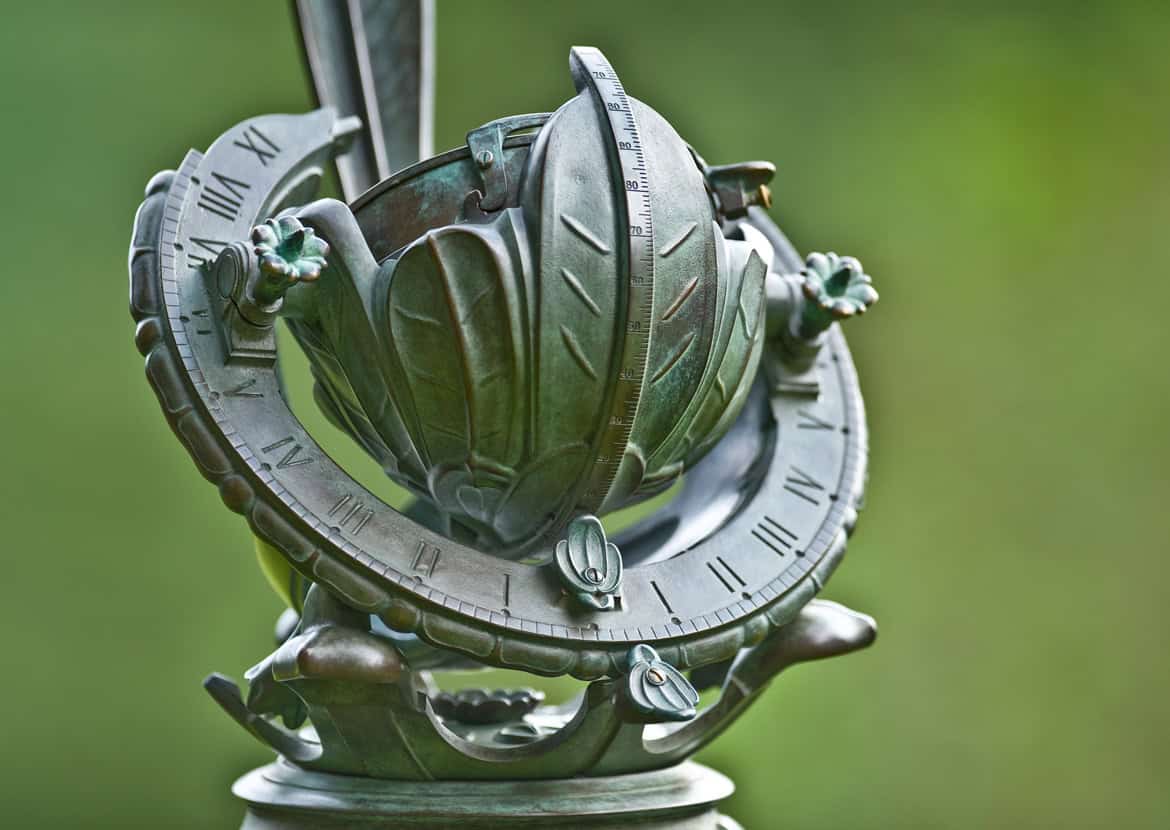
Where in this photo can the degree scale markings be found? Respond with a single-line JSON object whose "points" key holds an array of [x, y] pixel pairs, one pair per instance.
{"points": [[592, 70]]}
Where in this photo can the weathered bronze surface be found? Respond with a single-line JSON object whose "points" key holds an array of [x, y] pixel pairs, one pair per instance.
{"points": [[560, 319]]}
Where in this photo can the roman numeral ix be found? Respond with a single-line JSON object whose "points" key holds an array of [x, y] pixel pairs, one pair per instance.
{"points": [[265, 151]]}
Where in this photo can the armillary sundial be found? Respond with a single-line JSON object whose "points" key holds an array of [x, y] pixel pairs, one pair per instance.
{"points": [[570, 314]]}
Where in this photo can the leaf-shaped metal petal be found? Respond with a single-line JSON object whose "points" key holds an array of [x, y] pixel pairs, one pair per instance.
{"points": [[738, 370], [657, 690], [731, 363], [589, 566], [452, 309]]}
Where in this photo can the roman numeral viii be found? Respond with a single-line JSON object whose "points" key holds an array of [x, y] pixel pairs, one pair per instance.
{"points": [[226, 199]]}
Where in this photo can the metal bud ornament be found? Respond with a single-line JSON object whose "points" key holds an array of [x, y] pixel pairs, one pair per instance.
{"points": [[562, 318]]}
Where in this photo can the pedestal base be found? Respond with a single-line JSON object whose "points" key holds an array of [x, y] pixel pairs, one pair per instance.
{"points": [[281, 796]]}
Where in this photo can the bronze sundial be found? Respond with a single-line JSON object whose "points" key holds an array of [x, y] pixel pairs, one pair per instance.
{"points": [[570, 314]]}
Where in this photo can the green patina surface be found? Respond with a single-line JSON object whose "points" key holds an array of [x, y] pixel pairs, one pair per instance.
{"points": [[982, 158]]}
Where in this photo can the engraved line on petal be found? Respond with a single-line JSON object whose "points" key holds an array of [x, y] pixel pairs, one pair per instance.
{"points": [[416, 316], [433, 380], [448, 431], [741, 313], [576, 227], [475, 302], [682, 298], [675, 358], [672, 695], [491, 377], [578, 355], [670, 247], [580, 291]]}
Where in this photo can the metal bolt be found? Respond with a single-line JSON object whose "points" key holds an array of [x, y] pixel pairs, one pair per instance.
{"points": [[484, 159], [656, 677], [227, 270], [593, 575]]}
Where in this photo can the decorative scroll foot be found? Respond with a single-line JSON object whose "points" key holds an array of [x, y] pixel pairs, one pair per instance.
{"points": [[822, 629]]}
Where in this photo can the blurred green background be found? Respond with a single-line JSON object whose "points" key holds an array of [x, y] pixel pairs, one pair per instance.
{"points": [[1002, 169]]}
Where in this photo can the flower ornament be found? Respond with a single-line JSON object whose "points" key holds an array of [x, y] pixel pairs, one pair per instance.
{"points": [[835, 287], [479, 706], [288, 253]]}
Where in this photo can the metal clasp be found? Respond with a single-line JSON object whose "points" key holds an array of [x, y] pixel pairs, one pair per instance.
{"points": [[739, 186], [486, 144]]}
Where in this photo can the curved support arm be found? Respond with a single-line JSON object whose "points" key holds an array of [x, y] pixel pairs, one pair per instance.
{"points": [[822, 629], [227, 694], [372, 717], [333, 222]]}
